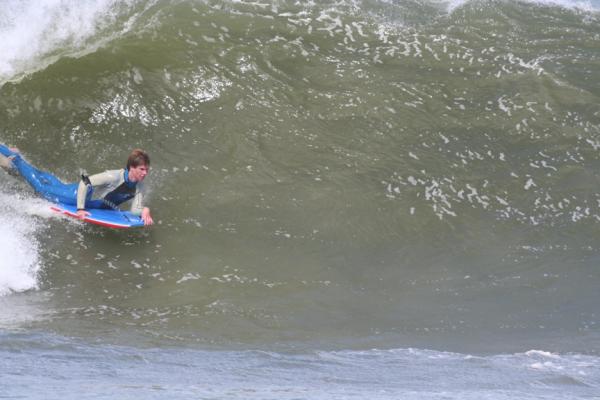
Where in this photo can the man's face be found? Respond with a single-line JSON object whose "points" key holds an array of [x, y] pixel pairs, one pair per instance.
{"points": [[137, 174]]}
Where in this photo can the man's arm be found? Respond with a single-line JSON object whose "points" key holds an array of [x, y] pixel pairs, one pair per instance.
{"points": [[91, 181], [137, 206]]}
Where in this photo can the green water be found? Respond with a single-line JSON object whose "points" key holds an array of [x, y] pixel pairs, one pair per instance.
{"points": [[337, 174]]}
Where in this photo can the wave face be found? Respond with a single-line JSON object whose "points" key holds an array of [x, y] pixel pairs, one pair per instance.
{"points": [[338, 175]]}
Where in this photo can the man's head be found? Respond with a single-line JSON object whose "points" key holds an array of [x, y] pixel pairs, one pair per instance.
{"points": [[138, 165]]}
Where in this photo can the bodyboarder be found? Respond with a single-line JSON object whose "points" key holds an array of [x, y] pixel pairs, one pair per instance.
{"points": [[105, 190]]}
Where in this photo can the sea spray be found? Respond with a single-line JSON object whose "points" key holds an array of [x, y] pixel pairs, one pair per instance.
{"points": [[19, 263]]}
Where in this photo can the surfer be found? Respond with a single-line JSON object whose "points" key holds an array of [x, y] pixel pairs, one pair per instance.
{"points": [[108, 189], [104, 190]]}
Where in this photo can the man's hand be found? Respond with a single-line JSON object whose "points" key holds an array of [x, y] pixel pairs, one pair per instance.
{"points": [[81, 214], [146, 217]]}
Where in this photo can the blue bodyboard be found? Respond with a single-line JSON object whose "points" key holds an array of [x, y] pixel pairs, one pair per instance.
{"points": [[104, 217]]}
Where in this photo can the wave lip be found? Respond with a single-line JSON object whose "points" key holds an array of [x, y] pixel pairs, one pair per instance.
{"points": [[36, 34]]}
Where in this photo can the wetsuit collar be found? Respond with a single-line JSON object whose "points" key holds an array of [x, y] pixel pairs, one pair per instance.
{"points": [[126, 179]]}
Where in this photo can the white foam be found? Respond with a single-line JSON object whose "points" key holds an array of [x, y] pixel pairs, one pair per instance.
{"points": [[35, 34], [533, 353], [582, 5], [452, 5], [19, 263]]}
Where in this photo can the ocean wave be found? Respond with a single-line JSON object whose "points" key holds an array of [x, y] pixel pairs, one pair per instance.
{"points": [[322, 172]]}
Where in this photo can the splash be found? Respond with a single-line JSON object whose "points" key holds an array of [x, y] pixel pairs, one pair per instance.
{"points": [[19, 263]]}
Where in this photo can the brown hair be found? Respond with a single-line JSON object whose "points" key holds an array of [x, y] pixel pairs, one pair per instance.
{"points": [[137, 157]]}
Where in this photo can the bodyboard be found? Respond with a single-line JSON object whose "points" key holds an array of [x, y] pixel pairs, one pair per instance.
{"points": [[103, 217]]}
